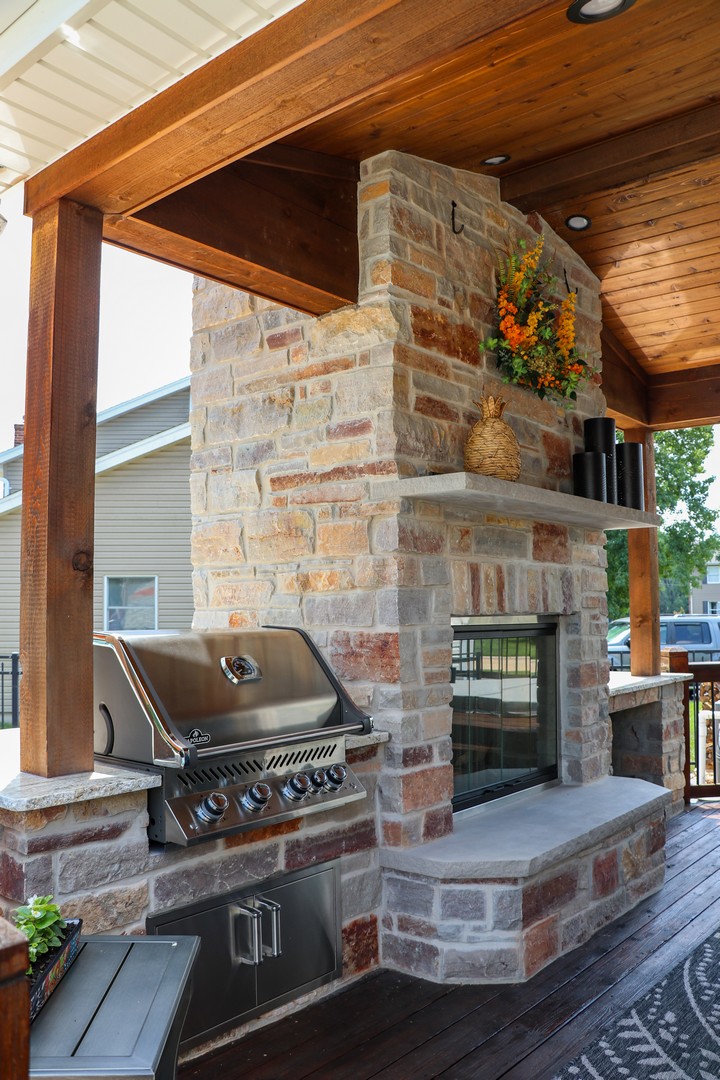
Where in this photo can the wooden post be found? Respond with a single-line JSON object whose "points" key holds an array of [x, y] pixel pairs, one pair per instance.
{"points": [[56, 576], [14, 1004], [644, 573]]}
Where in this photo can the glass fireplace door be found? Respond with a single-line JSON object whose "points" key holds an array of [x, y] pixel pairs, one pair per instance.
{"points": [[505, 729]]}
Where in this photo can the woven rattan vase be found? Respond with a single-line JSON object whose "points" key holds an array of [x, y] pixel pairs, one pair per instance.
{"points": [[491, 448]]}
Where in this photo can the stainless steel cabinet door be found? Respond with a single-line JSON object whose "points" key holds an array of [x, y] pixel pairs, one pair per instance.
{"points": [[308, 935]]}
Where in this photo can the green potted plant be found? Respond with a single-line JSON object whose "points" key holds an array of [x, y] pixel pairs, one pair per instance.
{"points": [[52, 946]]}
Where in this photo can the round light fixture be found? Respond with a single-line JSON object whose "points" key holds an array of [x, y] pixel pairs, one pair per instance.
{"points": [[591, 11], [496, 159], [578, 222]]}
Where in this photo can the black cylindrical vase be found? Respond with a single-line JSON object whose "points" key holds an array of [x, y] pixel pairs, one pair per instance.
{"points": [[590, 475], [600, 436], [630, 476]]}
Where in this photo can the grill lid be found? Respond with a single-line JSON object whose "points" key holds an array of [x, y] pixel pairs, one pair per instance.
{"points": [[172, 698]]}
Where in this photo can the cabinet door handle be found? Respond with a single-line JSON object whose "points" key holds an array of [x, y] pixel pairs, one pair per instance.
{"points": [[250, 919], [274, 948]]}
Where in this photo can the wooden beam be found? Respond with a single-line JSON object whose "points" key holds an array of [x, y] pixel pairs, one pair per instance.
{"points": [[315, 60], [644, 573], [657, 148], [56, 566], [287, 235], [624, 383], [685, 398]]}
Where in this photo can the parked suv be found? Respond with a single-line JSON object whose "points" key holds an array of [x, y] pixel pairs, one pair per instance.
{"points": [[699, 634]]}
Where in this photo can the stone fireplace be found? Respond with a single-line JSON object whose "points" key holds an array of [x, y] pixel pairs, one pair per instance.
{"points": [[328, 494], [305, 430]]}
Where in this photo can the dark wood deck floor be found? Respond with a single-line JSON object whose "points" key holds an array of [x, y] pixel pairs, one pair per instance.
{"points": [[394, 1027]]}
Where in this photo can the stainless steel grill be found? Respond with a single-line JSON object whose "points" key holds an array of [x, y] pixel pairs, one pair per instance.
{"points": [[245, 729]]}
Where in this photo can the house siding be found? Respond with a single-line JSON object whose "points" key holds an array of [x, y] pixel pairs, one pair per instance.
{"points": [[9, 581], [12, 471], [142, 527], [141, 422]]}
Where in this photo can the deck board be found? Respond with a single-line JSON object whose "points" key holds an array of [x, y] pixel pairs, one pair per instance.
{"points": [[390, 1026]]}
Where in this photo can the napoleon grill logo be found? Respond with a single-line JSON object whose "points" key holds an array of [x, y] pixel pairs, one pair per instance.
{"points": [[197, 737]]}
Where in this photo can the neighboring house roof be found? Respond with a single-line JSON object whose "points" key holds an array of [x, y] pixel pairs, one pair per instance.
{"points": [[123, 426], [118, 457], [70, 67]]}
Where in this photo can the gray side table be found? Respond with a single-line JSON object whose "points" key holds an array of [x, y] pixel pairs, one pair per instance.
{"points": [[118, 1012]]}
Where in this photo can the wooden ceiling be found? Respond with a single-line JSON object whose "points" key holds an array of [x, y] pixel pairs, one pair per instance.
{"points": [[619, 120]]}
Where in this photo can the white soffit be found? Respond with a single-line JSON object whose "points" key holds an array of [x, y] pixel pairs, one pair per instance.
{"points": [[70, 67]]}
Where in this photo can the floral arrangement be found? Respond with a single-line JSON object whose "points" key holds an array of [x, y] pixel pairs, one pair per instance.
{"points": [[535, 341]]}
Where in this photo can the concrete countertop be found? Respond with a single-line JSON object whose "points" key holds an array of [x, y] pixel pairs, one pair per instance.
{"points": [[21, 791]]}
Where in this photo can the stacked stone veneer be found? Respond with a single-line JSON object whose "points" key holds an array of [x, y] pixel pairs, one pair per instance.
{"points": [[295, 418], [648, 735]]}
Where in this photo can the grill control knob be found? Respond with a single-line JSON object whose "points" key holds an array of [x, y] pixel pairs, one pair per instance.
{"points": [[298, 786], [336, 776], [257, 797], [213, 807], [319, 779]]}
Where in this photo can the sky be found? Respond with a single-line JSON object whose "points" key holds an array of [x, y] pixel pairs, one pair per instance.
{"points": [[145, 321]]}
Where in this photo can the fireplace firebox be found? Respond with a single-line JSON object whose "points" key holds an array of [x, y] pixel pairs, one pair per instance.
{"points": [[505, 706]]}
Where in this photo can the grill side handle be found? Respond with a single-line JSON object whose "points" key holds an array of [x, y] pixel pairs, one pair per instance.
{"points": [[354, 720], [184, 754]]}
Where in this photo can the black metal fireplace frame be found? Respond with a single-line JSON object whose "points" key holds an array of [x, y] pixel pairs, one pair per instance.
{"points": [[508, 627]]}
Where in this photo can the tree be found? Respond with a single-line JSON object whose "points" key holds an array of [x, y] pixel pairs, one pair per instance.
{"points": [[687, 539]]}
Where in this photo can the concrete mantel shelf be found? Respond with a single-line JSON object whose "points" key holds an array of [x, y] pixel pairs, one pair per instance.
{"points": [[472, 493]]}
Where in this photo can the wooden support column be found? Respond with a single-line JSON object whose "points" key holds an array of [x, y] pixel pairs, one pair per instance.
{"points": [[644, 574], [56, 575]]}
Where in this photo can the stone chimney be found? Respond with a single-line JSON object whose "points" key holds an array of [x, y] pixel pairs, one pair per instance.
{"points": [[19, 434]]}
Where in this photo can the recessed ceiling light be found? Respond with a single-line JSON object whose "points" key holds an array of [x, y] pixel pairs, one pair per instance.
{"points": [[578, 222], [590, 11], [496, 159]]}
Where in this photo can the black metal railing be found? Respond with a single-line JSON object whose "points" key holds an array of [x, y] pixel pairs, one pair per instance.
{"points": [[702, 731], [10, 690]]}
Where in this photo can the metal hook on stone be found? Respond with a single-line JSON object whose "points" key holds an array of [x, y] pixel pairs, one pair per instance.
{"points": [[455, 229]]}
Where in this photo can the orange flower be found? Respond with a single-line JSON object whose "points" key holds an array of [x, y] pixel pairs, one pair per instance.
{"points": [[535, 342]]}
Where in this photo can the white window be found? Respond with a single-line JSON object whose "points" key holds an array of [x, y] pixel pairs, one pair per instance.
{"points": [[713, 574], [131, 603], [713, 607]]}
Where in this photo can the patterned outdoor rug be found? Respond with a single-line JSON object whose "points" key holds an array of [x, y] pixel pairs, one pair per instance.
{"points": [[673, 1033]]}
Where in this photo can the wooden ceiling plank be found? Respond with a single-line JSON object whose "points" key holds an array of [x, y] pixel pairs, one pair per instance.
{"points": [[675, 301], [619, 277], [318, 58], [609, 201], [656, 147], [656, 251], [656, 293], [515, 91], [654, 229], [655, 214], [665, 360], [666, 310]]}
